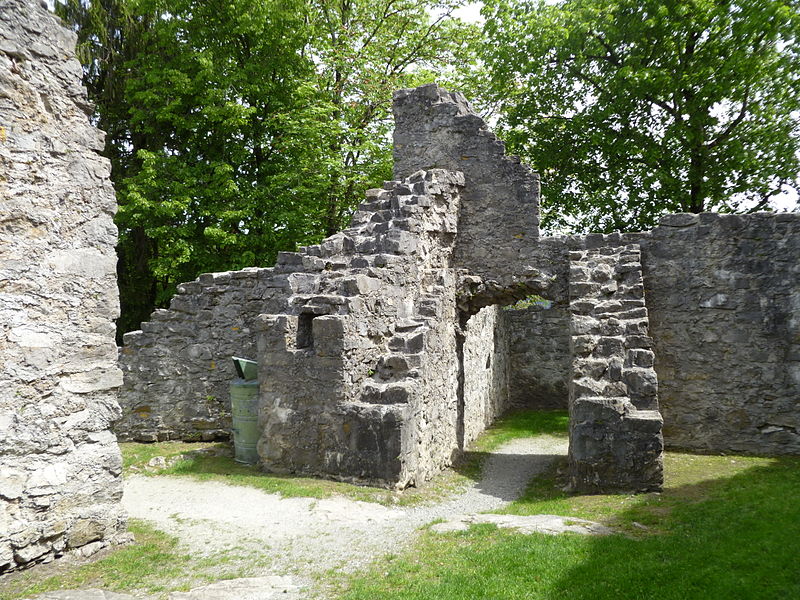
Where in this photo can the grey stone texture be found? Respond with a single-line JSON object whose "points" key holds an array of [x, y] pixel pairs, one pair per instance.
{"points": [[177, 367], [359, 373], [723, 293], [60, 465], [539, 356], [615, 426], [498, 221]]}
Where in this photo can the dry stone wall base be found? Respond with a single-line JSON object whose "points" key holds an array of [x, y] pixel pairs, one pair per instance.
{"points": [[615, 426], [60, 466]]}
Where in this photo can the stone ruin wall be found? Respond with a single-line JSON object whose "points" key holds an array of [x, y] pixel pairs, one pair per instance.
{"points": [[495, 348], [375, 393], [60, 466], [499, 216], [367, 339], [722, 296], [178, 367], [723, 293]]}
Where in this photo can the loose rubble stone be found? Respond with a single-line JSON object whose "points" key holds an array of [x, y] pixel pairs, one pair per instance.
{"points": [[60, 467]]}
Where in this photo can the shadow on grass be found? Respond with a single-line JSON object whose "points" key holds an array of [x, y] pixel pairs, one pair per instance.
{"points": [[728, 538], [737, 537], [513, 425]]}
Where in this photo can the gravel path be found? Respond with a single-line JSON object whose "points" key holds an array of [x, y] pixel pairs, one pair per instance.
{"points": [[305, 537]]}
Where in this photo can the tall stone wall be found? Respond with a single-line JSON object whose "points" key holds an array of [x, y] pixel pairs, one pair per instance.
{"points": [[723, 293], [358, 372], [60, 466], [499, 213]]}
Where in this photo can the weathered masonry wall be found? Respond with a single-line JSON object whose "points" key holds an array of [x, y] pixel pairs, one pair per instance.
{"points": [[539, 356], [177, 369], [723, 293], [60, 466], [486, 371], [499, 213], [615, 426], [358, 373]]}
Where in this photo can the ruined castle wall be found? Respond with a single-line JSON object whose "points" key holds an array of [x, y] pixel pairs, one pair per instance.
{"points": [[539, 356], [499, 214], [723, 292], [358, 371], [60, 466], [486, 371], [177, 368], [615, 438]]}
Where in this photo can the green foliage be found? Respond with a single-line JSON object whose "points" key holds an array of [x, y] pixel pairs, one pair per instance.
{"points": [[528, 302], [725, 527], [631, 109], [241, 128]]}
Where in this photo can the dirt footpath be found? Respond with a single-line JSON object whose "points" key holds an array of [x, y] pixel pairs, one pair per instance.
{"points": [[303, 537]]}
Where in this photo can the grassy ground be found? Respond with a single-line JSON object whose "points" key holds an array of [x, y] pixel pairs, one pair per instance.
{"points": [[153, 565], [724, 528]]}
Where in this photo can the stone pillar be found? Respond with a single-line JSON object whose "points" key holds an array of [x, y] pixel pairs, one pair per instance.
{"points": [[615, 427], [60, 466]]}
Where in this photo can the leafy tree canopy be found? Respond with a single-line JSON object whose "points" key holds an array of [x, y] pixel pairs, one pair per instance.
{"points": [[238, 128], [634, 108]]}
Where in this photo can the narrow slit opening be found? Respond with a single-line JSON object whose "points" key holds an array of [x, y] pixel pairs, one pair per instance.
{"points": [[305, 331]]}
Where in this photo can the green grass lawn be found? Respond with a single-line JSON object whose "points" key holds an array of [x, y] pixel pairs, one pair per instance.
{"points": [[724, 528]]}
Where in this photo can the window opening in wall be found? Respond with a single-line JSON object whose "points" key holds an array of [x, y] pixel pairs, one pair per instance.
{"points": [[305, 331], [529, 301]]}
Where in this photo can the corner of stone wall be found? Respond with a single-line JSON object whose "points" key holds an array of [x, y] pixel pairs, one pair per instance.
{"points": [[367, 332]]}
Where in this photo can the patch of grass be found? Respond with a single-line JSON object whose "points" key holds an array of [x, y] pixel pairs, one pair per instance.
{"points": [[521, 424], [724, 527], [145, 564], [207, 467], [513, 425], [135, 456], [195, 461], [153, 564]]}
